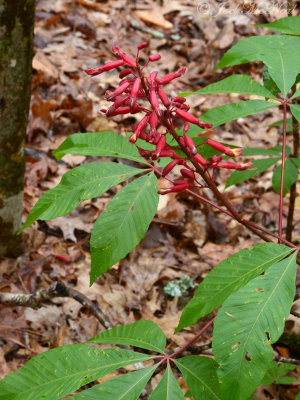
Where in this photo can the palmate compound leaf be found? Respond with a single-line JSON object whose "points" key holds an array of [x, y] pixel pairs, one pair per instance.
{"points": [[99, 144], [280, 53], [124, 387], [167, 388], [58, 372], [235, 84], [246, 325], [84, 182], [123, 223], [295, 109], [200, 374], [144, 334], [228, 277]]}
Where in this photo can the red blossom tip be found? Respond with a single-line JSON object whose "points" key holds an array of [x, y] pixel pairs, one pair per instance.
{"points": [[142, 45], [154, 57], [106, 67]]}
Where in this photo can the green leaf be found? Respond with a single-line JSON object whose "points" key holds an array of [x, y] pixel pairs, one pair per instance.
{"points": [[58, 372], [143, 334], [279, 53], [258, 167], [200, 374], [290, 177], [289, 123], [296, 161], [167, 388], [230, 112], [298, 397], [276, 374], [260, 151], [268, 81], [228, 277], [124, 387], [234, 84], [246, 325], [296, 94], [123, 223], [287, 25], [105, 143], [295, 110], [84, 182]]}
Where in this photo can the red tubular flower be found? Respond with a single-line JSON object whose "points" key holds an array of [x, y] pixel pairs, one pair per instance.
{"points": [[154, 103], [134, 92], [168, 78], [224, 149], [175, 189], [190, 144], [154, 57], [139, 128], [190, 118], [187, 173], [153, 123], [106, 67], [181, 142], [121, 89], [168, 168], [145, 153], [120, 100], [159, 147], [200, 160], [230, 165], [170, 153], [163, 97], [142, 45], [127, 60]]}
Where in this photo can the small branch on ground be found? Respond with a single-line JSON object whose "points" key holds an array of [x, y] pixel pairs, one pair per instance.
{"points": [[57, 289]]}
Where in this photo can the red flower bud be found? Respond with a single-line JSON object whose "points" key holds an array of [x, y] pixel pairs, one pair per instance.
{"points": [[200, 160], [163, 97], [120, 100], [187, 173], [190, 144], [142, 45], [106, 67], [127, 60], [181, 142], [168, 78], [216, 159], [186, 127], [190, 118], [178, 99], [154, 57], [134, 92], [125, 72], [224, 149], [181, 182], [119, 90], [175, 189], [170, 153], [168, 168]]}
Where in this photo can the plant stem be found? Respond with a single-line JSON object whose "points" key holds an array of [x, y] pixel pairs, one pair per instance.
{"points": [[293, 190], [191, 341], [290, 8], [284, 104]]}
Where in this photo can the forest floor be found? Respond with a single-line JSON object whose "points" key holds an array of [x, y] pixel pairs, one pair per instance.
{"points": [[184, 238]]}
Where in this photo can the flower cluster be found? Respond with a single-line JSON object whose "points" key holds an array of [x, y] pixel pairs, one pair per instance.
{"points": [[135, 93]]}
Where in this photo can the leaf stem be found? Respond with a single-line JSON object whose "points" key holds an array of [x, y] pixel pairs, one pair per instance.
{"points": [[192, 340]]}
